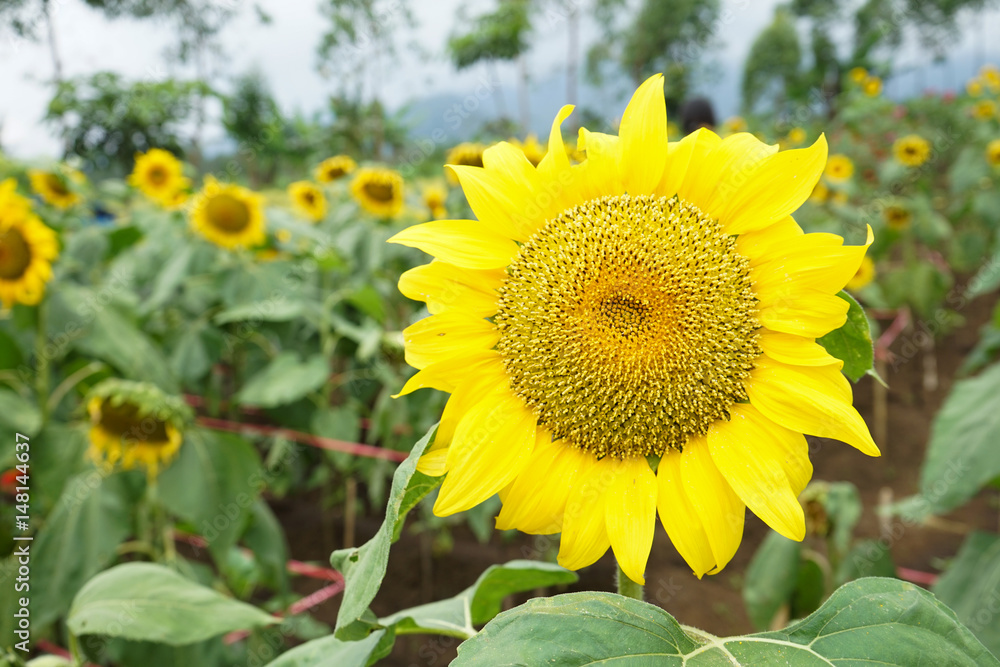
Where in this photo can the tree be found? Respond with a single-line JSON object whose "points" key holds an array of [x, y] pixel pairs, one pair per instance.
{"points": [[772, 68]]}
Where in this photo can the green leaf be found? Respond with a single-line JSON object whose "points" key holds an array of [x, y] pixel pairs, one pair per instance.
{"points": [[169, 279], [264, 311], [285, 380], [10, 352], [843, 509], [770, 579], [331, 652], [852, 343], [267, 541], [18, 415], [986, 279], [114, 339], [962, 455], [364, 567], [868, 558], [870, 621], [971, 586], [191, 360], [146, 601], [420, 485]]}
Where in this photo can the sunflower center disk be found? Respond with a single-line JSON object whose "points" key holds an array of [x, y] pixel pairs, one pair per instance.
{"points": [[158, 175], [628, 324], [382, 192], [124, 423], [15, 255], [228, 213]]}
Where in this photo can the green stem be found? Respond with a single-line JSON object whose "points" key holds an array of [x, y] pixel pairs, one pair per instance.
{"points": [[41, 364], [627, 587], [74, 650]]}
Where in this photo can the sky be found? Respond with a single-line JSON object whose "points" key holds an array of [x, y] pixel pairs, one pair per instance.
{"points": [[285, 51]]}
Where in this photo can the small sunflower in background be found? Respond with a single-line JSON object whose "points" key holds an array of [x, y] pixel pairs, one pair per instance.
{"points": [[839, 168], [984, 109], [27, 249], [897, 218], [435, 195], [160, 176], [334, 168], [734, 125], [865, 274], [974, 87], [378, 190], [993, 152], [820, 193], [872, 86], [911, 150], [796, 136], [467, 154], [228, 215], [533, 150], [56, 187], [135, 425], [858, 75], [990, 76], [308, 200]]}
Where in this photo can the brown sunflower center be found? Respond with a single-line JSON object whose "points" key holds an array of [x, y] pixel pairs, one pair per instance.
{"points": [[56, 185], [309, 197], [333, 173], [158, 175], [15, 254], [125, 423], [228, 213], [628, 324], [381, 192]]}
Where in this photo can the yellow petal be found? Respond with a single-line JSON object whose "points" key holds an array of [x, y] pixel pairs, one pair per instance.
{"points": [[630, 515], [480, 383], [556, 160], [679, 156], [808, 313], [432, 463], [703, 143], [680, 518], [448, 374], [758, 246], [585, 537], [463, 243], [490, 447], [643, 138], [519, 178], [795, 350], [815, 401], [440, 337], [825, 268], [599, 172], [714, 179], [444, 287], [743, 450], [720, 509]]}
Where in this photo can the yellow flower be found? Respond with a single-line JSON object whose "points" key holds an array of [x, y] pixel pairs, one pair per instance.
{"points": [[435, 195], [27, 250], [912, 150], [379, 191], [993, 152], [334, 168], [228, 215], [734, 125], [467, 154], [796, 136], [872, 86], [631, 334], [532, 150], [864, 275], [160, 176], [858, 75], [984, 109], [990, 75], [283, 235], [974, 87], [839, 168], [840, 197], [820, 193], [55, 187], [308, 200], [897, 218], [134, 425]]}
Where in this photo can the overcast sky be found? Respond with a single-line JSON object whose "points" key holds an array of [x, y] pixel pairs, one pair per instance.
{"points": [[285, 51]]}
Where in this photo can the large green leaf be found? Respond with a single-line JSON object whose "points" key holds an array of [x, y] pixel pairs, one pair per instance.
{"points": [[971, 587], [852, 343], [331, 652], [18, 415], [169, 279], [114, 339], [146, 601], [284, 380], [963, 453], [364, 567], [770, 579], [870, 621]]}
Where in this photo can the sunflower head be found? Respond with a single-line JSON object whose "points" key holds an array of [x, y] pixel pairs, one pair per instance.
{"points": [[228, 215], [531, 148], [57, 187], [984, 109], [864, 275], [820, 193], [858, 75], [872, 86], [435, 195], [308, 200], [796, 136], [974, 87], [734, 125], [839, 168], [990, 76], [993, 152], [378, 190], [135, 425], [334, 168], [160, 176], [633, 335], [465, 154], [911, 150], [27, 249], [897, 218]]}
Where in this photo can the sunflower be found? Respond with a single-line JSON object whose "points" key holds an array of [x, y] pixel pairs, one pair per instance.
{"points": [[135, 425], [858, 74], [465, 154], [990, 76], [864, 275], [820, 193], [631, 334], [55, 187], [228, 215], [984, 109], [912, 150], [160, 176], [532, 150], [379, 191], [872, 86], [839, 168], [334, 168], [840, 197], [974, 87], [27, 249], [993, 152], [435, 196], [796, 136], [897, 218], [308, 200], [734, 125]]}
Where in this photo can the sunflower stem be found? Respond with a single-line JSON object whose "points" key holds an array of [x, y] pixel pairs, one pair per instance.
{"points": [[627, 587], [41, 364]]}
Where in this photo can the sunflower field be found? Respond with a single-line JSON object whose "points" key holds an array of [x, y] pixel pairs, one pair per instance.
{"points": [[507, 400]]}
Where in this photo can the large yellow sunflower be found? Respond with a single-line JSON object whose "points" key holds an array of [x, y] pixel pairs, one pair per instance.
{"points": [[55, 187], [911, 150], [228, 215], [378, 190], [27, 249], [334, 168], [631, 335], [308, 200], [160, 176]]}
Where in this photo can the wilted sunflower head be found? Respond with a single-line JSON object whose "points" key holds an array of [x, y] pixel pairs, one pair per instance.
{"points": [[56, 187], [308, 200], [435, 195], [27, 249], [228, 215], [334, 168], [466, 154], [135, 425], [633, 335], [839, 168], [912, 150], [993, 152], [897, 217], [160, 176], [378, 190]]}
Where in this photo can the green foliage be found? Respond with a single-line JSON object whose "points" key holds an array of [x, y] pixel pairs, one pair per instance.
{"points": [[771, 70], [852, 342], [501, 34], [971, 586]]}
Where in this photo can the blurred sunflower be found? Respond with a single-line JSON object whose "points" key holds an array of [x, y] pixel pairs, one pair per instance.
{"points": [[134, 425], [820, 193], [378, 190], [55, 188], [668, 363], [435, 196], [228, 215], [840, 197], [839, 168], [872, 86], [897, 218], [974, 87], [734, 125], [466, 154], [532, 150], [864, 275], [160, 176], [334, 168], [984, 109], [308, 200], [993, 152], [858, 75], [796, 136], [911, 150], [990, 76], [27, 249]]}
